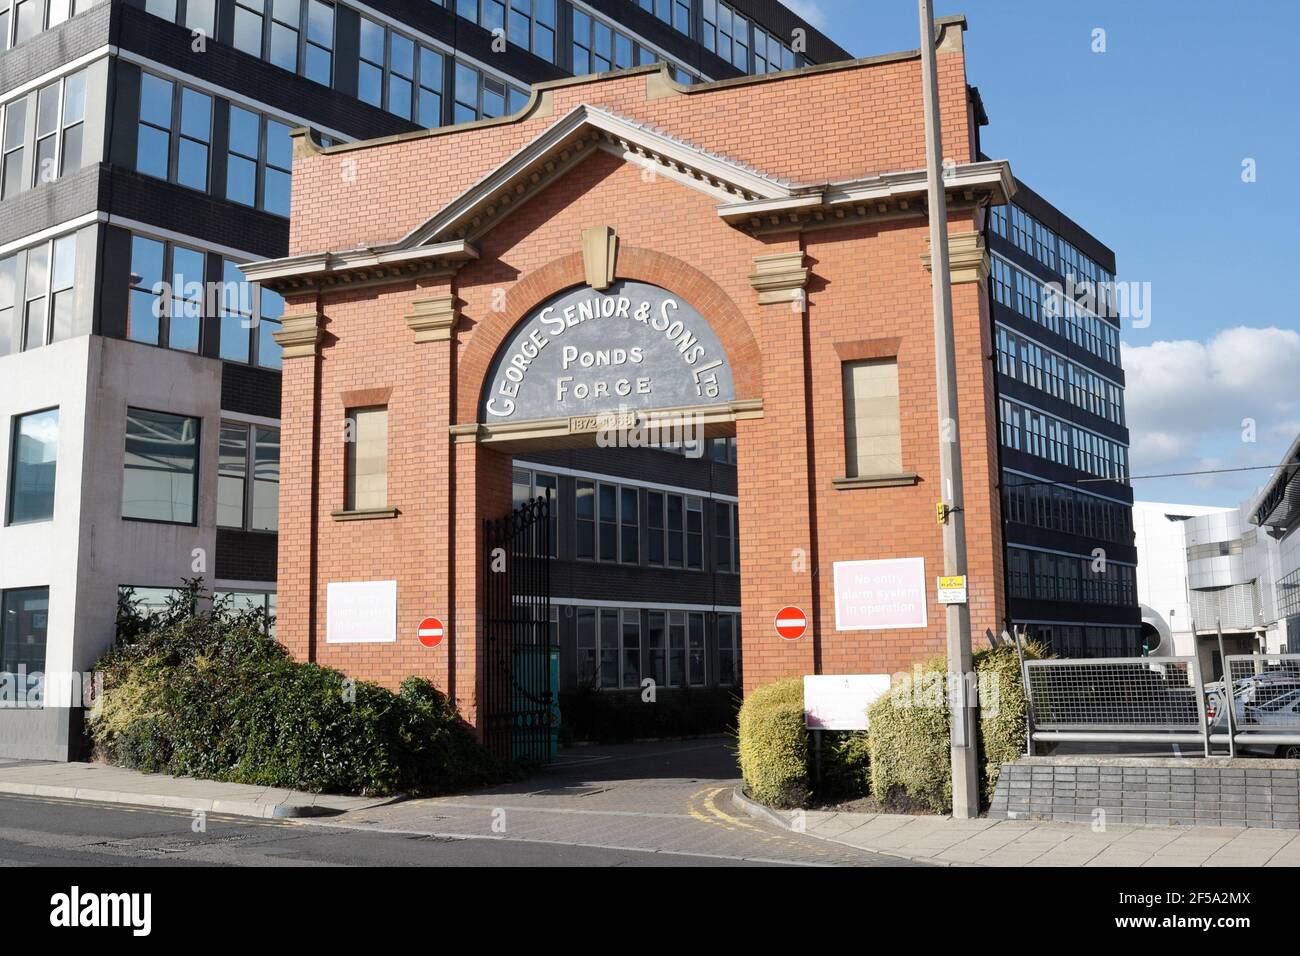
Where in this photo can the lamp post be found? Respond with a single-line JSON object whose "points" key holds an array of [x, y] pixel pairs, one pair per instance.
{"points": [[965, 772]]}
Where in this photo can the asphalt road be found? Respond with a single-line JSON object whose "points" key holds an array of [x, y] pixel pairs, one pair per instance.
{"points": [[41, 832], [654, 804]]}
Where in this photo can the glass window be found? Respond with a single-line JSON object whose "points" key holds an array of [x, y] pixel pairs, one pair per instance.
{"points": [[655, 525], [33, 459], [153, 142], [74, 115], [232, 474], [319, 51], [201, 16], [608, 522], [248, 26], [28, 15], [657, 646], [466, 105], [146, 309], [367, 459], [38, 275], [236, 313], [629, 526], [195, 135], [586, 642], [63, 293], [279, 161], [270, 312], [8, 297], [186, 307], [609, 656], [429, 107], [676, 648], [285, 18], [15, 127], [370, 66], [401, 74], [696, 656], [631, 649], [728, 649], [584, 510], [266, 479], [45, 169], [24, 620], [161, 468], [241, 162], [239, 602]]}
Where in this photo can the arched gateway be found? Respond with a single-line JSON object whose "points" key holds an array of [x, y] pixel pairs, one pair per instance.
{"points": [[627, 253]]}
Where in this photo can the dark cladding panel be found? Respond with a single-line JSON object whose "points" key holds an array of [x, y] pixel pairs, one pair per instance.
{"points": [[249, 390]]}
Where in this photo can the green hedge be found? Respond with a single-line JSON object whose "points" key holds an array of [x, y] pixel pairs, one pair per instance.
{"points": [[909, 743], [774, 744], [209, 695], [909, 737]]}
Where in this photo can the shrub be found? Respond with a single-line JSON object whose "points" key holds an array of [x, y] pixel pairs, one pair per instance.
{"points": [[1004, 723], [774, 744], [910, 738], [209, 695], [846, 765], [908, 742]]}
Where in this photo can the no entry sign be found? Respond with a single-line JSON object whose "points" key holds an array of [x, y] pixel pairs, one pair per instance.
{"points": [[791, 622], [431, 632]]}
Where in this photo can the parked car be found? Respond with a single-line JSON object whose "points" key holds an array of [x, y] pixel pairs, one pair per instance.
{"points": [[1246, 691], [1278, 715]]}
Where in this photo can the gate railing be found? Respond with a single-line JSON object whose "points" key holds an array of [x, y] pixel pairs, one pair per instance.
{"points": [[1164, 700], [1258, 702], [518, 676], [1117, 699]]}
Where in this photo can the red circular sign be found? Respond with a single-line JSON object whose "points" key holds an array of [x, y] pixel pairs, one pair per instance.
{"points": [[431, 632], [791, 622]]}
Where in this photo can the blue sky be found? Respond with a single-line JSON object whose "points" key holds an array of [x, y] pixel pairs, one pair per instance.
{"points": [[1143, 145]]}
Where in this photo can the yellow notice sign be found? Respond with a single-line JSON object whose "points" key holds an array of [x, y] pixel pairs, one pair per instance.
{"points": [[952, 589]]}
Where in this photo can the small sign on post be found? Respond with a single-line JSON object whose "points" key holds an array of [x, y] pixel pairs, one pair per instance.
{"points": [[840, 701], [952, 589]]}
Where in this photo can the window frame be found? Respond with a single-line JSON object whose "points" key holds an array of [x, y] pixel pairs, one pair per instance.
{"points": [[168, 296], [198, 467], [11, 494], [248, 477]]}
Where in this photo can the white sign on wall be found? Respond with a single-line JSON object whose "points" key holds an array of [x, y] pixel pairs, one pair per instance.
{"points": [[840, 701], [361, 612], [880, 595]]}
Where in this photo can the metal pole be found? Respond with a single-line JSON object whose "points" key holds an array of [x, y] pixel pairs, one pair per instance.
{"points": [[965, 772], [1227, 690]]}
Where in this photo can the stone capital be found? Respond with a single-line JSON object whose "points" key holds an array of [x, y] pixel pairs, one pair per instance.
{"points": [[300, 335], [780, 277], [968, 260], [433, 319]]}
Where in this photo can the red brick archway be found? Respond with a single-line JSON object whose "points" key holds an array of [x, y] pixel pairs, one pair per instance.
{"points": [[637, 264]]}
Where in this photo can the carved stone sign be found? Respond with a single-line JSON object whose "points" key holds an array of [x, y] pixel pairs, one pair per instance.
{"points": [[634, 346]]}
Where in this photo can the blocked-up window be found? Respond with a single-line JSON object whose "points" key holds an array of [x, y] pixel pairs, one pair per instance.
{"points": [[367, 459], [873, 444]]}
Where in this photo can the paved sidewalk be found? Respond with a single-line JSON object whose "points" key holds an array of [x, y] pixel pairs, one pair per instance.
{"points": [[108, 784], [944, 841]]}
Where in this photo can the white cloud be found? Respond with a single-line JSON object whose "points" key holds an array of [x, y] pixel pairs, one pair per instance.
{"points": [[1191, 404], [810, 10]]}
